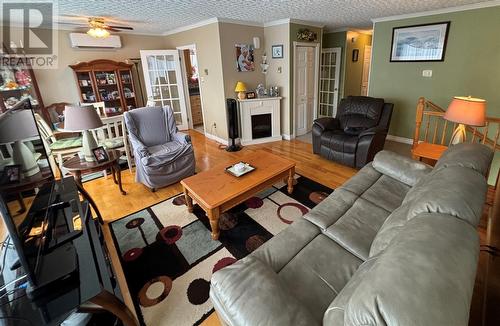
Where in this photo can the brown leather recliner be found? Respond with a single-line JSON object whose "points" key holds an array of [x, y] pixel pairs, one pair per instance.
{"points": [[356, 134]]}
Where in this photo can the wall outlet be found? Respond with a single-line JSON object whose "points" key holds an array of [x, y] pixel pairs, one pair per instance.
{"points": [[427, 73], [214, 125]]}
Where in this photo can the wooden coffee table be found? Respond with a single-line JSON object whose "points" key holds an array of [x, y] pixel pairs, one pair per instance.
{"points": [[216, 191]]}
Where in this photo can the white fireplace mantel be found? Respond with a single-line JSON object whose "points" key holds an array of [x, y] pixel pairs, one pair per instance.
{"points": [[256, 106]]}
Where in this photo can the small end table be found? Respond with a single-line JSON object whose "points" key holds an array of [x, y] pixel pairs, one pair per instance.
{"points": [[76, 167]]}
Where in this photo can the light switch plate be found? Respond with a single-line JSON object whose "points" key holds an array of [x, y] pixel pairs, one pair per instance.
{"points": [[427, 73]]}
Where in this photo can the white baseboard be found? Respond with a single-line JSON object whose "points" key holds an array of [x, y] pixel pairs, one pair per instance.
{"points": [[287, 137], [261, 140], [216, 138], [398, 139]]}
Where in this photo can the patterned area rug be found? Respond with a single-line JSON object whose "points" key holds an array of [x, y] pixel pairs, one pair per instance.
{"points": [[168, 255]]}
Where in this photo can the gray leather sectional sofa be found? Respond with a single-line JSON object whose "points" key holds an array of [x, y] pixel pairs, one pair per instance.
{"points": [[395, 245]]}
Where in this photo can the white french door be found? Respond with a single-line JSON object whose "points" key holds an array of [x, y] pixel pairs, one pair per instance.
{"points": [[367, 57], [305, 88], [164, 85], [329, 82]]}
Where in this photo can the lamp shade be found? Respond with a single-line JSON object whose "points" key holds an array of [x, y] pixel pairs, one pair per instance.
{"points": [[17, 125], [78, 118], [467, 110], [240, 87]]}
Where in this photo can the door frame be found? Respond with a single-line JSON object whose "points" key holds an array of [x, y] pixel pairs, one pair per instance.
{"points": [[317, 48], [338, 64], [186, 88], [369, 68], [180, 86]]}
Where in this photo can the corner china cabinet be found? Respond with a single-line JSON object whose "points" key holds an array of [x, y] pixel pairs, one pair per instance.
{"points": [[106, 81], [16, 84]]}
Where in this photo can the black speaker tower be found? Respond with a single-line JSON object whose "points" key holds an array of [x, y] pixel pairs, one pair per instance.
{"points": [[232, 124]]}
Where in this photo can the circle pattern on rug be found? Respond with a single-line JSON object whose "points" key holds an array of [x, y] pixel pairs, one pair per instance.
{"points": [[254, 242], [135, 223], [297, 210], [132, 254], [227, 221], [198, 291], [254, 202], [153, 293], [171, 234], [317, 196], [179, 201], [226, 261]]}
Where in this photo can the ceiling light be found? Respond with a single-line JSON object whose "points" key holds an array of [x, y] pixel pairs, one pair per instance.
{"points": [[98, 32]]}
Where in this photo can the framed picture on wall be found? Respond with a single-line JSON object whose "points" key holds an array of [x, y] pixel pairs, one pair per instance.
{"points": [[419, 42], [277, 51]]}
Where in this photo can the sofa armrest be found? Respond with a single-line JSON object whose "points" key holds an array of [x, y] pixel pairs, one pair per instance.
{"points": [[251, 293], [327, 123], [399, 167]]}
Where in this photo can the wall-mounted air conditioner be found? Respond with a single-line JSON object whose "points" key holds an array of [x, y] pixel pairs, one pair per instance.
{"points": [[82, 41]]}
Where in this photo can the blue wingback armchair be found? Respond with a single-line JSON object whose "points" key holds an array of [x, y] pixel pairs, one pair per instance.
{"points": [[162, 154]]}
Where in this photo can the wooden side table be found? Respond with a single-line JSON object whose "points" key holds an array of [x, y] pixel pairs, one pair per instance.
{"points": [[428, 151], [76, 167]]}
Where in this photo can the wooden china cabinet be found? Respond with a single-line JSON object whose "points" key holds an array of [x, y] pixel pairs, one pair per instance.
{"points": [[106, 81], [17, 83]]}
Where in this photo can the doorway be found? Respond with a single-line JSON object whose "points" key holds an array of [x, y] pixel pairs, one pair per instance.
{"points": [[367, 58], [305, 81], [163, 81], [191, 78]]}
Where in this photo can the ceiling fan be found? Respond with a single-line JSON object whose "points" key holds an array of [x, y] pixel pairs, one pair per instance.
{"points": [[97, 27]]}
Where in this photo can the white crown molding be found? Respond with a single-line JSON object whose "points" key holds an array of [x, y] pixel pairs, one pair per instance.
{"points": [[367, 31], [473, 6], [239, 22], [192, 26], [277, 22], [305, 22]]}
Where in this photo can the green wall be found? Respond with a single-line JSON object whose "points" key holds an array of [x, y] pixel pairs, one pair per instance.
{"points": [[337, 40], [354, 70], [471, 66]]}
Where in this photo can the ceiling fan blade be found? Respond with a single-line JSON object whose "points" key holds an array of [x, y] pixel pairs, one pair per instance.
{"points": [[112, 29], [122, 27], [70, 23]]}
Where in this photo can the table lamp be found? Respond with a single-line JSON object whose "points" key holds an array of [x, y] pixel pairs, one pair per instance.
{"points": [[77, 118], [17, 126], [465, 111], [241, 88]]}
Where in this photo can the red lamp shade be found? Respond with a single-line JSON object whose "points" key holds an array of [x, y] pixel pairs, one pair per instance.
{"points": [[467, 110]]}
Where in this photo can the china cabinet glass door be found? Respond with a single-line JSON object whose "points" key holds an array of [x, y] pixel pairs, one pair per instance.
{"points": [[163, 78]]}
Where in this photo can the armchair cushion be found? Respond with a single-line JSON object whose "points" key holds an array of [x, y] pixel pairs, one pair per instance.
{"points": [[360, 111], [339, 141], [164, 153], [66, 143], [327, 123]]}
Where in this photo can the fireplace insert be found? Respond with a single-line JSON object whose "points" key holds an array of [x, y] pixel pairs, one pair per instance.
{"points": [[261, 126]]}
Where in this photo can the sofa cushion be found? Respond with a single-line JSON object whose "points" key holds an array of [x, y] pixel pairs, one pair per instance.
{"points": [[286, 244], [357, 228], [400, 168], [386, 193], [250, 293], [362, 180], [339, 142], [473, 156], [425, 277], [317, 274]]}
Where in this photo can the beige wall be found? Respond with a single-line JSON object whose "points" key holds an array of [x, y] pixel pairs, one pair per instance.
{"points": [[207, 41], [59, 85], [354, 70], [275, 35], [230, 35]]}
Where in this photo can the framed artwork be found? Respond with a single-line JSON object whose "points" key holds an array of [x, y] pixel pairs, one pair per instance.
{"points": [[100, 154], [419, 42], [251, 95], [277, 51], [355, 55], [244, 57], [12, 174]]}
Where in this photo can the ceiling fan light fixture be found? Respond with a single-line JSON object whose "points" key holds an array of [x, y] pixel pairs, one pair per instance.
{"points": [[98, 32]]}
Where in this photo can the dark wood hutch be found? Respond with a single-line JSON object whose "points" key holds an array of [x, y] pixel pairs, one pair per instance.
{"points": [[106, 81]]}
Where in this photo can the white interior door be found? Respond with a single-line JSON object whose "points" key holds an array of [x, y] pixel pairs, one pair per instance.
{"points": [[367, 57], [329, 82], [164, 85], [304, 88]]}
